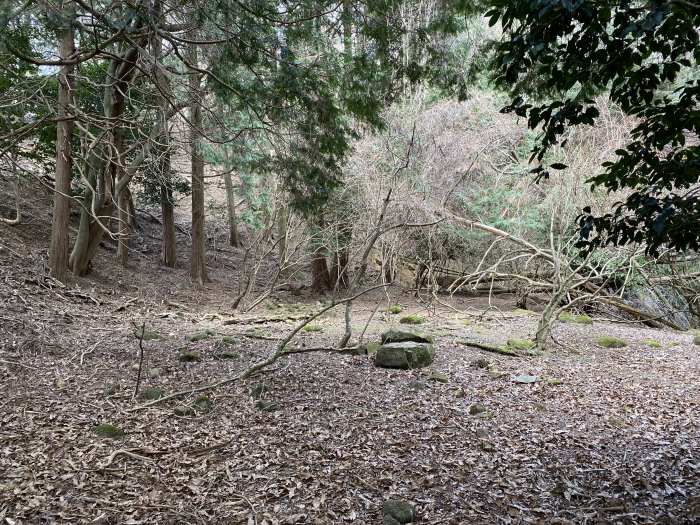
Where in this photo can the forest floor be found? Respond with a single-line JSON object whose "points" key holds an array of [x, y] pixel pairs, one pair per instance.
{"points": [[603, 435]]}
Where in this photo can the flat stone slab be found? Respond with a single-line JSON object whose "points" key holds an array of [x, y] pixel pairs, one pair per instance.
{"points": [[401, 336], [404, 355]]}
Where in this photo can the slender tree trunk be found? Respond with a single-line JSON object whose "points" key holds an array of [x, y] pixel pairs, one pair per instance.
{"points": [[58, 251], [124, 232], [282, 234], [169, 244], [233, 238], [198, 268], [167, 205]]}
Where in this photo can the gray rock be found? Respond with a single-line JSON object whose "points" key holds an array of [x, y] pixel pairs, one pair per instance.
{"points": [[405, 355], [398, 510]]}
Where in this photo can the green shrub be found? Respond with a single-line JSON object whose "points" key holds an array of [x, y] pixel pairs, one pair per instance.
{"points": [[412, 319], [611, 342], [394, 309]]}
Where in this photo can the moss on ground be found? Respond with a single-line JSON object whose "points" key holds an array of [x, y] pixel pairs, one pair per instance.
{"points": [[311, 328], [520, 344], [228, 340], [148, 335], [201, 336], [395, 309], [412, 319], [152, 393], [607, 341], [190, 357], [568, 317], [652, 343], [107, 430]]}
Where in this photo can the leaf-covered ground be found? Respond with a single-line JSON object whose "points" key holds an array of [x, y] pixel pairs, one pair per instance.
{"points": [[602, 435]]}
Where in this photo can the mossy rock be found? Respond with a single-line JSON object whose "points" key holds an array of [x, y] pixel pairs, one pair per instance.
{"points": [[203, 404], [312, 328], [404, 355], [190, 357], [152, 393], [228, 340], [520, 344], [266, 406], [652, 343], [201, 336], [183, 411], [257, 391], [476, 409], [611, 342], [148, 335], [395, 309], [401, 336], [412, 319], [438, 377], [568, 317], [398, 510], [107, 430]]}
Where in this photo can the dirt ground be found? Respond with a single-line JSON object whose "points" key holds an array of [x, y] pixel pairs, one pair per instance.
{"points": [[602, 436]]}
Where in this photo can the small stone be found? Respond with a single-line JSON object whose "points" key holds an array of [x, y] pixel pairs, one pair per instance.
{"points": [[476, 409], [400, 511], [154, 372], [439, 377], [203, 404], [190, 357], [183, 411], [526, 379], [266, 406]]}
